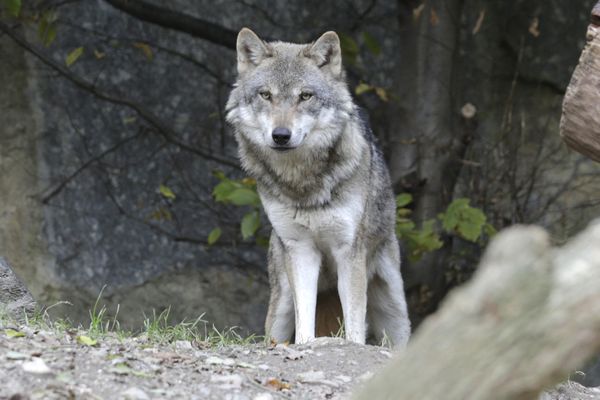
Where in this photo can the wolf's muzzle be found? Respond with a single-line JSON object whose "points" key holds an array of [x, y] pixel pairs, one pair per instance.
{"points": [[281, 136]]}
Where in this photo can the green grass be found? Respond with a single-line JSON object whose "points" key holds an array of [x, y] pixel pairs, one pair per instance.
{"points": [[157, 328]]}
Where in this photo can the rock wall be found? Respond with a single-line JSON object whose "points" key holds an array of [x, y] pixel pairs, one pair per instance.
{"points": [[80, 206]]}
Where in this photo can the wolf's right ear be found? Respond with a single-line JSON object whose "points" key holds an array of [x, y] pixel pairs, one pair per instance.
{"points": [[251, 50]]}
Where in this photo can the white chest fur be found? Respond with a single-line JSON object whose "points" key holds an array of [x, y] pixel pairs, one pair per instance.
{"points": [[325, 228]]}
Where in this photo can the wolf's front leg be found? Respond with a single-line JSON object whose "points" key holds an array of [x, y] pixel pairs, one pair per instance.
{"points": [[352, 288], [302, 264]]}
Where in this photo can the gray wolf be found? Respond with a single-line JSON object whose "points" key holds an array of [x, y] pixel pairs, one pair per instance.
{"points": [[325, 188]]}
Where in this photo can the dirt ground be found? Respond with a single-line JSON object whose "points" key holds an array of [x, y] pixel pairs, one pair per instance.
{"points": [[39, 364], [52, 364]]}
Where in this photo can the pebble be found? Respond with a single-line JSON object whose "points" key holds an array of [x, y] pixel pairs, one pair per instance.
{"points": [[311, 376], [386, 353], [228, 382], [183, 345], [263, 396], [135, 393], [36, 366], [212, 360], [14, 355]]}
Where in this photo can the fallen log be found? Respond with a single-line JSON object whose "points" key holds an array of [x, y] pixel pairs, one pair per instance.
{"points": [[580, 121], [530, 315]]}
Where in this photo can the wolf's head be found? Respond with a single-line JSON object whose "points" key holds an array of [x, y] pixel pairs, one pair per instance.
{"points": [[289, 96]]}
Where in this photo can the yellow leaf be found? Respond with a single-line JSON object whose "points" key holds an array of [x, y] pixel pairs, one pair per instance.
{"points": [[11, 333], [479, 22], [166, 192], [277, 384], [381, 93], [145, 48], [534, 27], [249, 181], [86, 340], [73, 56], [362, 88], [418, 11]]}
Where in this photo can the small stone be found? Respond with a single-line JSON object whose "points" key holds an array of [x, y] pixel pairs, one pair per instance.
{"points": [[386, 353], [228, 382], [212, 360], [243, 364], [183, 345], [311, 376], [263, 396], [36, 366], [291, 354], [14, 355], [135, 393]]}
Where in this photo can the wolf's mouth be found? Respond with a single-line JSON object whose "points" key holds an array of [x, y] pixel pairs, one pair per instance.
{"points": [[282, 148]]}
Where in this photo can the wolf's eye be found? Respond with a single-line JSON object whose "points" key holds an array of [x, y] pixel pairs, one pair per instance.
{"points": [[305, 96], [265, 94]]}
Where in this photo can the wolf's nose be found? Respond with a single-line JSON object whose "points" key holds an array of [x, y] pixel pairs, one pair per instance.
{"points": [[281, 135]]}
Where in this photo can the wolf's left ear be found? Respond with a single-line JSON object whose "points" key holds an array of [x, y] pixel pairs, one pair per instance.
{"points": [[251, 50], [327, 53]]}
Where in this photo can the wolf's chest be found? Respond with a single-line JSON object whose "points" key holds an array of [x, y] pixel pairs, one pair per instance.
{"points": [[334, 225]]}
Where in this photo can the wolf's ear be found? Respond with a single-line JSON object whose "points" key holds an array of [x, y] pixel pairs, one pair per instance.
{"points": [[251, 50], [327, 53]]}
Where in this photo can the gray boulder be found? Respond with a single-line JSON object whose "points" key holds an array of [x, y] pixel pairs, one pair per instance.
{"points": [[15, 299]]}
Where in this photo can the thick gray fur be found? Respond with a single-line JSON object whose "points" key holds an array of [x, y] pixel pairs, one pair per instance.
{"points": [[328, 195]]}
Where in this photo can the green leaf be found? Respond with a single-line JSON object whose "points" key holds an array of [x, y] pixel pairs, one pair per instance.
{"points": [[124, 369], [464, 220], [371, 43], [47, 28], [214, 235], [423, 241], [13, 6], [403, 212], [224, 189], [86, 340], [362, 88], [73, 56], [166, 192], [489, 230], [243, 197], [11, 333], [219, 174], [250, 224], [403, 199], [50, 35]]}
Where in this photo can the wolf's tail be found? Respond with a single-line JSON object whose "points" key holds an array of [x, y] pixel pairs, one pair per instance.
{"points": [[329, 313]]}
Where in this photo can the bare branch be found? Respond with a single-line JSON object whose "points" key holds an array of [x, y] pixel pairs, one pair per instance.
{"points": [[164, 131], [178, 21]]}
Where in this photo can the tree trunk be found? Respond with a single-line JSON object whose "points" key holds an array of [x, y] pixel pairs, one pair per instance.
{"points": [[529, 317], [580, 122], [425, 142]]}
